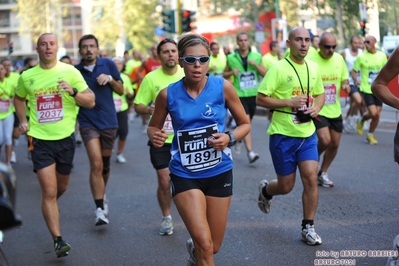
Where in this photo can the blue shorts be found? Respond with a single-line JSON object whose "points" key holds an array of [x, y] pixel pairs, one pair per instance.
{"points": [[287, 152]]}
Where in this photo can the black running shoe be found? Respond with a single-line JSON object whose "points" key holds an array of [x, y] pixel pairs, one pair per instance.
{"points": [[61, 248]]}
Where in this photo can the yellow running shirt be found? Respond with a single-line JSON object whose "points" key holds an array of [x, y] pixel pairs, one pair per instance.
{"points": [[52, 112], [121, 101], [151, 85], [281, 82], [333, 71], [220, 63], [369, 65], [268, 60], [7, 91]]}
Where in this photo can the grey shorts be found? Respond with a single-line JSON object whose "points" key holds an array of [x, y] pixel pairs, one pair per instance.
{"points": [[107, 136]]}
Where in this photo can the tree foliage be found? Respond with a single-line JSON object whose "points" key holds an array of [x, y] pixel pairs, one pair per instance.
{"points": [[140, 21], [130, 20], [38, 17]]}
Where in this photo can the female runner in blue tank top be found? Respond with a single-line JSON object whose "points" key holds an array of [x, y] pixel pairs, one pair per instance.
{"points": [[201, 164]]}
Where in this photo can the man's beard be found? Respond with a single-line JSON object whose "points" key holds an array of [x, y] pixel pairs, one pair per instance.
{"points": [[90, 59]]}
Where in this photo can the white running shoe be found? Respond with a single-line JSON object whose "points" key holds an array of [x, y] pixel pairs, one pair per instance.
{"points": [[252, 156], [100, 217], [191, 261], [166, 227], [263, 203], [323, 180], [131, 117], [13, 157], [120, 158], [310, 236]]}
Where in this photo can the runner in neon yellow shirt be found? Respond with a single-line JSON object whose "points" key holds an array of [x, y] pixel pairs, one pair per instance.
{"points": [[152, 84], [51, 116], [369, 63], [12, 77], [7, 91], [271, 57], [134, 62], [121, 107], [218, 61], [293, 85], [334, 74], [53, 90]]}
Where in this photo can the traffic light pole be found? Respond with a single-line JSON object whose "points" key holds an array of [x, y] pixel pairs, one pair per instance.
{"points": [[178, 13]]}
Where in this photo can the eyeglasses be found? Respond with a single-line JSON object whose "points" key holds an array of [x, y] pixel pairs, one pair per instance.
{"points": [[366, 42], [329, 46], [192, 59], [91, 46]]}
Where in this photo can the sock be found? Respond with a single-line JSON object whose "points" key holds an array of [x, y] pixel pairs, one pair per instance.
{"points": [[369, 134], [305, 222], [267, 196], [57, 238], [99, 203], [169, 216]]}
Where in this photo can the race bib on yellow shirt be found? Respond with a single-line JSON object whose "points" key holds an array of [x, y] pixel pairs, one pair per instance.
{"points": [[49, 108], [372, 75], [330, 91], [167, 126], [5, 105], [118, 104]]}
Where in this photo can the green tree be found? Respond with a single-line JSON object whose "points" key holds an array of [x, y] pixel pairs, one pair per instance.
{"points": [[134, 20], [38, 17], [141, 19], [389, 17]]}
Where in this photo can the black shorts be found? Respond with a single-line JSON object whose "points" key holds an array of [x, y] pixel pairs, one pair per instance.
{"points": [[354, 89], [46, 152], [332, 123], [123, 128], [160, 157], [249, 104], [107, 136], [220, 186], [371, 99], [16, 120]]}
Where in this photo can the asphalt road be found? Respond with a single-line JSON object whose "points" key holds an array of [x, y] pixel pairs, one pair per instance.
{"points": [[360, 214]]}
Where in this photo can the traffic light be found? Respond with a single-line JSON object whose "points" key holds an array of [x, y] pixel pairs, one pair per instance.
{"points": [[168, 19], [10, 47], [187, 20], [363, 28]]}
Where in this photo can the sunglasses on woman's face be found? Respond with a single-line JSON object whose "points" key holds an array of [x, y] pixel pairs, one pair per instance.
{"points": [[191, 59]]}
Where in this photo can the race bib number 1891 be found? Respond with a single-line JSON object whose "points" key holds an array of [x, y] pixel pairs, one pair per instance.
{"points": [[195, 153]]}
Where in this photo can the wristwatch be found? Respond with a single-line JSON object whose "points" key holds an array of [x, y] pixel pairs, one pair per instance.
{"points": [[75, 91], [110, 78], [233, 139]]}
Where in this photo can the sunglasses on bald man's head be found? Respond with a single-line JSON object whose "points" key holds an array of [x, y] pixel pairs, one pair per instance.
{"points": [[329, 46], [191, 59]]}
